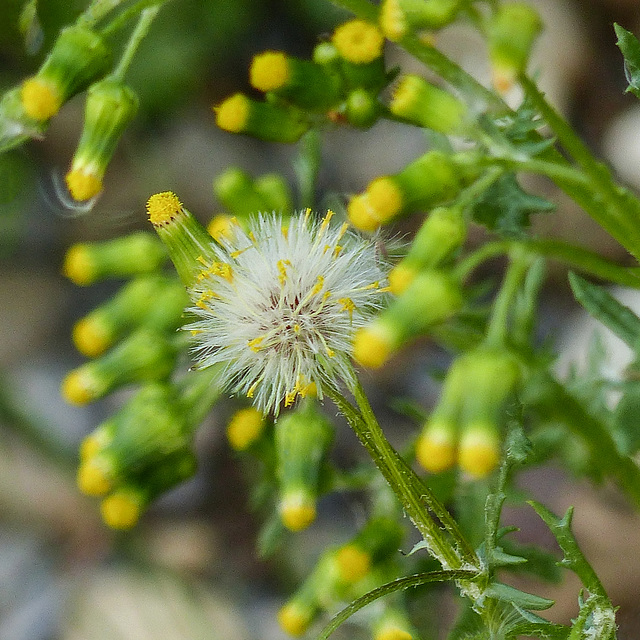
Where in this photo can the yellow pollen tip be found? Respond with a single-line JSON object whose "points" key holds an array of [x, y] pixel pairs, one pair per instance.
{"points": [[297, 510], [358, 41], [121, 510], [78, 265], [245, 428], [93, 477], [372, 346], [232, 114], [40, 99], [353, 563], [83, 185], [385, 198], [163, 208], [79, 387], [436, 451], [479, 452], [269, 71], [222, 227], [393, 633], [91, 337], [392, 20], [400, 277], [293, 619], [361, 214], [93, 444], [405, 95]]}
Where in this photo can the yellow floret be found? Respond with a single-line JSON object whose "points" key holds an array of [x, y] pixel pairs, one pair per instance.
{"points": [[93, 444], [436, 449], [244, 428], [393, 633], [353, 563], [78, 265], [297, 510], [82, 184], [269, 71], [385, 198], [94, 477], [232, 114], [400, 277], [79, 387], [358, 41], [360, 213], [294, 619], [372, 346], [91, 337], [405, 95], [479, 452], [121, 510], [392, 20], [222, 227], [163, 207], [40, 98]]}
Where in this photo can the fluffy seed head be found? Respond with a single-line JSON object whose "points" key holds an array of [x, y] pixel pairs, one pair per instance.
{"points": [[280, 305]]}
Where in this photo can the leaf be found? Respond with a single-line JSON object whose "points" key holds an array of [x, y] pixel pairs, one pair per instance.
{"points": [[630, 47], [605, 308], [506, 593], [390, 587], [506, 208]]}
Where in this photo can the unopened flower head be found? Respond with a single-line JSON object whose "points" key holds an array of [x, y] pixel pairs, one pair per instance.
{"points": [[280, 304]]}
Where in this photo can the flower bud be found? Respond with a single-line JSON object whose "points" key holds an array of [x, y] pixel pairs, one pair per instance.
{"points": [[440, 235], [301, 82], [302, 440], [393, 624], [236, 191], [326, 53], [154, 301], [77, 58], [109, 108], [362, 108], [401, 17], [426, 105], [432, 297], [142, 435], [144, 355], [122, 508], [187, 241], [479, 448], [245, 427], [264, 120], [512, 30], [360, 45], [296, 615], [276, 192], [436, 447], [136, 253], [430, 179]]}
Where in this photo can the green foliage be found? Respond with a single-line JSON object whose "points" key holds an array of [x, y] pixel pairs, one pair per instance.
{"points": [[630, 48]]}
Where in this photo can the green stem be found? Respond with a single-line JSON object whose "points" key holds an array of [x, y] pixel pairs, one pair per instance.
{"points": [[414, 496], [612, 206], [142, 28], [503, 304], [97, 10]]}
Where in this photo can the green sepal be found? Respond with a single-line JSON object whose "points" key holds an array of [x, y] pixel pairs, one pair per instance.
{"points": [[629, 45]]}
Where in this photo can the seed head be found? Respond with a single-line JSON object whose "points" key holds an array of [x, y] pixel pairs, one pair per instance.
{"points": [[280, 305]]}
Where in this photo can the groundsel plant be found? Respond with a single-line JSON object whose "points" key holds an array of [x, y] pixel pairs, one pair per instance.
{"points": [[281, 306]]}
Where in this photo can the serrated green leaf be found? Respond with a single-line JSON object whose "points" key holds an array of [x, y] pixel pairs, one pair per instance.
{"points": [[391, 587], [630, 47], [507, 593], [506, 208], [605, 308]]}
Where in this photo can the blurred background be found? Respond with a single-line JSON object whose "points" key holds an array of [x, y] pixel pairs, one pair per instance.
{"points": [[189, 570]]}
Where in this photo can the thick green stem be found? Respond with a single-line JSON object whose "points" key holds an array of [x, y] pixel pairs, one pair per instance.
{"points": [[446, 543]]}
